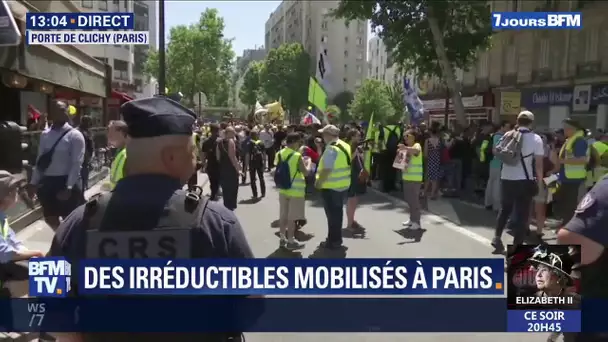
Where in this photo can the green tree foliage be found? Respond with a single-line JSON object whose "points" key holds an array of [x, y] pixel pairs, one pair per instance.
{"points": [[430, 36], [342, 100], [251, 87], [395, 95], [286, 75], [198, 59], [372, 97]]}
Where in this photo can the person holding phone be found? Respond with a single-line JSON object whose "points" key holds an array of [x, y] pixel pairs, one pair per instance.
{"points": [[412, 178]]}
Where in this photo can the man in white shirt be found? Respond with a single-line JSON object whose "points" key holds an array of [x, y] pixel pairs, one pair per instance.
{"points": [[267, 139], [520, 183]]}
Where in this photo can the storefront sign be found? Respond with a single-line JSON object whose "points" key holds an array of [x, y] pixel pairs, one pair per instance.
{"points": [[510, 102], [468, 102], [580, 97], [599, 94]]}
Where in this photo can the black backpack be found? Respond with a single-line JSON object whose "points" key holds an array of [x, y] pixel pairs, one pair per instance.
{"points": [[257, 151]]}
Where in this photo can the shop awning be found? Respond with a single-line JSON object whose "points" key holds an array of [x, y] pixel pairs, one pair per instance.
{"points": [[64, 65], [121, 96]]}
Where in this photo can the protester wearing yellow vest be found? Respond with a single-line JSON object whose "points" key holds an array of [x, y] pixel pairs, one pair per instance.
{"points": [[14, 276], [333, 178], [573, 157], [412, 179], [601, 149], [117, 137], [292, 201]]}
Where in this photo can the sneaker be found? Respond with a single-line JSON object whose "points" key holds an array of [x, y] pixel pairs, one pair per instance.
{"points": [[294, 245], [282, 243], [498, 246], [407, 223], [415, 226]]}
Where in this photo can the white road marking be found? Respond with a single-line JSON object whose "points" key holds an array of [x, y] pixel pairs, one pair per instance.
{"points": [[446, 223]]}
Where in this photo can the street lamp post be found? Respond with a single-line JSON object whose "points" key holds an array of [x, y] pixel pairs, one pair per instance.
{"points": [[161, 48]]}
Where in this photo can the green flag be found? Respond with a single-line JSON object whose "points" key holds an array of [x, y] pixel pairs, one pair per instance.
{"points": [[367, 162]]}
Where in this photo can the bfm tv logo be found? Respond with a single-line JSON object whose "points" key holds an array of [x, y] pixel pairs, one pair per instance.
{"points": [[49, 277]]}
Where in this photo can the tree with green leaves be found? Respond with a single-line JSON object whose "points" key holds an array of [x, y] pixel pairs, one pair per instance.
{"points": [[431, 37], [250, 89], [198, 59], [395, 95], [342, 100], [372, 97], [285, 76]]}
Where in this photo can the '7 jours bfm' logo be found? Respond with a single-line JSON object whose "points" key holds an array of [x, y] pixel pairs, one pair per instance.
{"points": [[49, 277]]}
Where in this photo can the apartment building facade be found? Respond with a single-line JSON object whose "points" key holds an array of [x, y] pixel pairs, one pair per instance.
{"points": [[309, 23], [380, 64], [127, 61], [554, 73]]}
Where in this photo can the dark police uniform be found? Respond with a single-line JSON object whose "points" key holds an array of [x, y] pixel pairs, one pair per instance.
{"points": [[591, 220], [150, 216]]}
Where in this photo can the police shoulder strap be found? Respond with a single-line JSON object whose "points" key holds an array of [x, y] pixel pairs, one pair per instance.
{"points": [[190, 205]]}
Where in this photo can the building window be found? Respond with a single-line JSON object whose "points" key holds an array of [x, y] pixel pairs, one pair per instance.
{"points": [[103, 5], [360, 27], [591, 45], [121, 70], [324, 39], [345, 80], [87, 3], [515, 5], [347, 24], [359, 69], [116, 2], [126, 3], [102, 59], [376, 71], [346, 39], [359, 41], [324, 25], [360, 56], [325, 11], [543, 54], [345, 53]]}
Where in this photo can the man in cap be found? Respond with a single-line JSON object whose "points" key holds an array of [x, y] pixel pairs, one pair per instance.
{"points": [[333, 178], [148, 206]]}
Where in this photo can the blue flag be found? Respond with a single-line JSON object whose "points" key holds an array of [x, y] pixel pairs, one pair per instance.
{"points": [[412, 102]]}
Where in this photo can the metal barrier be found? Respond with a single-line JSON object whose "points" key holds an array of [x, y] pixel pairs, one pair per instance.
{"points": [[98, 166]]}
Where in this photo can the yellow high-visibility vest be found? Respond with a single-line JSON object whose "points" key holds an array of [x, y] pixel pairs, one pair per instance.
{"points": [[117, 168], [599, 171], [298, 186], [573, 171], [482, 150], [414, 171], [339, 178], [377, 143], [387, 132]]}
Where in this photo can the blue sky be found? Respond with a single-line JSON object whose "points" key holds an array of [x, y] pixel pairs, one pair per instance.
{"points": [[244, 20]]}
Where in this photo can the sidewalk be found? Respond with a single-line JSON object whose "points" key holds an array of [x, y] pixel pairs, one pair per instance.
{"points": [[472, 219], [39, 236]]}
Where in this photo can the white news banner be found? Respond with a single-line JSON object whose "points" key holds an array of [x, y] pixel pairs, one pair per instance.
{"points": [[87, 37]]}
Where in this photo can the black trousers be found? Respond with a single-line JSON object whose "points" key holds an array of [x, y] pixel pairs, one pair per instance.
{"points": [[229, 181], [257, 171], [389, 173], [214, 181], [516, 201], [270, 156]]}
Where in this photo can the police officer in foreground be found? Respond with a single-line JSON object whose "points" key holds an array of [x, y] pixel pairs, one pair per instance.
{"points": [[588, 229], [148, 215]]}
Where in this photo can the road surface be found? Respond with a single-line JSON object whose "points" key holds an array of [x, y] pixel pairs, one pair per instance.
{"points": [[381, 215]]}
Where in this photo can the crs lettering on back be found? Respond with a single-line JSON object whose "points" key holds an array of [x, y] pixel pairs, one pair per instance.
{"points": [[159, 243]]}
